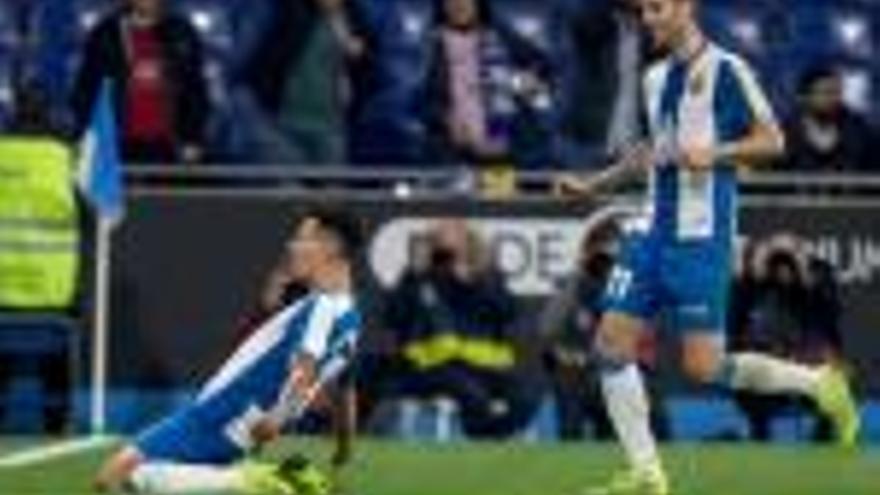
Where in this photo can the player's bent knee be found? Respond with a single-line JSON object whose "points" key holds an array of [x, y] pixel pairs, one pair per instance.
{"points": [[703, 358], [703, 369], [617, 341]]}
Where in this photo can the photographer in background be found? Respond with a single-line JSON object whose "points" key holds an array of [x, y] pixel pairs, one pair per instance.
{"points": [[452, 316], [786, 303], [568, 324]]}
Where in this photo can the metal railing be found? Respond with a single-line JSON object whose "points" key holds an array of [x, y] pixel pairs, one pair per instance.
{"points": [[442, 182]]}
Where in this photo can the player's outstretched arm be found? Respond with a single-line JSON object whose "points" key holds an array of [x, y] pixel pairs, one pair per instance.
{"points": [[297, 392], [631, 163]]}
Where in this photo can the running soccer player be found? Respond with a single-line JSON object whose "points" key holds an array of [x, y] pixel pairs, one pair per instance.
{"points": [[707, 116], [269, 380]]}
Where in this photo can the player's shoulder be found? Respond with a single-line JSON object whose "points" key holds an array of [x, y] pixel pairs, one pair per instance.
{"points": [[336, 304], [656, 71], [736, 62]]}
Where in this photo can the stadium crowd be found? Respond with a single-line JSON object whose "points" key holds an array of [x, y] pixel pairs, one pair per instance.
{"points": [[360, 82]]}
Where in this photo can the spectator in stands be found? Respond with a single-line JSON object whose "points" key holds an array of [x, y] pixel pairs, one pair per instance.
{"points": [[568, 324], [153, 58], [785, 302], [31, 120], [487, 91], [293, 83], [825, 135], [609, 53], [452, 316]]}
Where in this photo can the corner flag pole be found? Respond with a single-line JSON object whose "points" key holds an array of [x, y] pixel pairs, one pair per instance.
{"points": [[100, 179], [100, 323]]}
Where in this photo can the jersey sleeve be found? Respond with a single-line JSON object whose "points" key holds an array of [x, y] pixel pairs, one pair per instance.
{"points": [[318, 328], [752, 96]]}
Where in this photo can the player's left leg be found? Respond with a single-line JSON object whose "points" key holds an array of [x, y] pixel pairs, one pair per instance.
{"points": [[706, 362], [698, 276]]}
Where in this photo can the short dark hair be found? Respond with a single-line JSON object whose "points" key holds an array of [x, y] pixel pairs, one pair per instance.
{"points": [[815, 73], [345, 227]]}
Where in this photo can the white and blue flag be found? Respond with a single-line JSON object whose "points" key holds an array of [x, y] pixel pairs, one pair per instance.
{"points": [[99, 175]]}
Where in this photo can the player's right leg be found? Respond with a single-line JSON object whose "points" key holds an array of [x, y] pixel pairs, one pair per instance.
{"points": [[627, 403]]}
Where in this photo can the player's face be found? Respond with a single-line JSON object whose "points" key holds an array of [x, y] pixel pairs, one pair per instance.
{"points": [[309, 250], [665, 21], [825, 97]]}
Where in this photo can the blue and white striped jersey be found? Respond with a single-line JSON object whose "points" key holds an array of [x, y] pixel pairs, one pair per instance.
{"points": [[324, 326], [712, 100]]}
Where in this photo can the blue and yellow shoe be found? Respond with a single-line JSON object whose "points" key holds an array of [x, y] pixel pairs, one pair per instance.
{"points": [[263, 478], [293, 476], [303, 476], [835, 399], [635, 482]]}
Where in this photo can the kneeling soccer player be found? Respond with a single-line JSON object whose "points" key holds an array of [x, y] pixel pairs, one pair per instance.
{"points": [[269, 380]]}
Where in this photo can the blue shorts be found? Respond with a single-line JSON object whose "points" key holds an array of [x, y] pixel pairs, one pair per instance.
{"points": [[687, 282], [182, 438]]}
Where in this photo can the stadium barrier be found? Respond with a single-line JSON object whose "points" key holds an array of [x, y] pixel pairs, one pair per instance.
{"points": [[196, 244]]}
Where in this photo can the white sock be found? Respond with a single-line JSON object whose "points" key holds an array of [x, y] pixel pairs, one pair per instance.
{"points": [[770, 375], [627, 407], [166, 478]]}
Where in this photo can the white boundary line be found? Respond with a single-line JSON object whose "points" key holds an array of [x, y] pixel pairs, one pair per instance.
{"points": [[37, 455]]}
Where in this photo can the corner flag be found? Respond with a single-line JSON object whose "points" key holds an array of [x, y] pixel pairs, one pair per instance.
{"points": [[99, 175]]}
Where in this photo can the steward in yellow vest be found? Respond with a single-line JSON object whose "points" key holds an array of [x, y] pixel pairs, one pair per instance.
{"points": [[39, 224]]}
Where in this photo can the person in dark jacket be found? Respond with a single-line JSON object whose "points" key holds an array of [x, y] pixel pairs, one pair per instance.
{"points": [[610, 53], [825, 134], [289, 91], [152, 59]]}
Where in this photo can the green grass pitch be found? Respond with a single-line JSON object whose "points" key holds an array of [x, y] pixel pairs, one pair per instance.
{"points": [[383, 468]]}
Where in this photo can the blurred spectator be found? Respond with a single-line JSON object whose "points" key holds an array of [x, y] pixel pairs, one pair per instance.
{"points": [[786, 303], [568, 325], [609, 53], [31, 121], [825, 135], [295, 82], [153, 58], [31, 112], [486, 91], [452, 316]]}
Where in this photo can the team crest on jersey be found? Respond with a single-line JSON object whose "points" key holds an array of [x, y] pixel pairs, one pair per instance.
{"points": [[698, 83]]}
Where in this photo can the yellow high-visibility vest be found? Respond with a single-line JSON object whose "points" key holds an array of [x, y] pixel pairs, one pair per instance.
{"points": [[446, 347], [39, 227]]}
